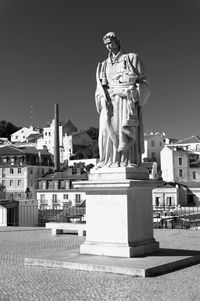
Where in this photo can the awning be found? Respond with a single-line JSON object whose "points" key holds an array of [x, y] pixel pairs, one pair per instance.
{"points": [[9, 203]]}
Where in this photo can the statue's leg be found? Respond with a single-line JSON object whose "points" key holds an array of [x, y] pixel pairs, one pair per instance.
{"points": [[124, 158], [132, 160], [115, 158], [102, 139]]}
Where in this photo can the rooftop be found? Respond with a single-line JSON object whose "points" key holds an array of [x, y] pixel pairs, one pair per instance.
{"points": [[12, 150], [64, 175], [192, 139]]}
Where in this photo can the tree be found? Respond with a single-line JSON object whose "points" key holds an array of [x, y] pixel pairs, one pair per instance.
{"points": [[93, 133], [85, 151], [7, 129]]}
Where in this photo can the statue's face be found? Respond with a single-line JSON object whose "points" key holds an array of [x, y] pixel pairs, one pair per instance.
{"points": [[112, 46]]}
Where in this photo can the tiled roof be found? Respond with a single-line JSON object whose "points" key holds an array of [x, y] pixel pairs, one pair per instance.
{"points": [[11, 150], [192, 139], [59, 175], [38, 135]]}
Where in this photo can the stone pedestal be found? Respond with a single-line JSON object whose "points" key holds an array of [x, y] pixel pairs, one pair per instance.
{"points": [[119, 218]]}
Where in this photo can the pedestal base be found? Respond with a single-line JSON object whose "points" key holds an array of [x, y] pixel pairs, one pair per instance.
{"points": [[119, 213], [119, 250]]}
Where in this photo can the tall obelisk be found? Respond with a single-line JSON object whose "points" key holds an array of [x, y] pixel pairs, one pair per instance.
{"points": [[56, 139]]}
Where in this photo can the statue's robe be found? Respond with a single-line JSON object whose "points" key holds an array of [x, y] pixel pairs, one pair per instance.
{"points": [[119, 104]]}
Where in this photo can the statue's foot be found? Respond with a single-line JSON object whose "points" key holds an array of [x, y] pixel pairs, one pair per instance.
{"points": [[114, 165], [132, 165], [123, 164], [99, 165]]}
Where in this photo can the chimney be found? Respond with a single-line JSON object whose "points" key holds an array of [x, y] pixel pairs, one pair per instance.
{"points": [[56, 140]]}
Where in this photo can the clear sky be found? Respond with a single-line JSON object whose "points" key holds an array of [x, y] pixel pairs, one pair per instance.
{"points": [[49, 50]]}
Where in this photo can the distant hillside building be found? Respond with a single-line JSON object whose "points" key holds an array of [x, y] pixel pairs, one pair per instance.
{"points": [[152, 169], [74, 142], [70, 139], [153, 144], [4, 141], [190, 144], [20, 169], [22, 134], [179, 165], [169, 196]]}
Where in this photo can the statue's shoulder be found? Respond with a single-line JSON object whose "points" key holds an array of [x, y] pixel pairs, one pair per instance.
{"points": [[132, 56], [103, 63]]}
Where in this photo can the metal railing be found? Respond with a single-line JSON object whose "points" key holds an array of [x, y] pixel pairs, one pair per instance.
{"points": [[178, 218], [71, 214]]}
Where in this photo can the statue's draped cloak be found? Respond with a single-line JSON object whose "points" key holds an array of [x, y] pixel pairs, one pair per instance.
{"points": [[121, 124]]}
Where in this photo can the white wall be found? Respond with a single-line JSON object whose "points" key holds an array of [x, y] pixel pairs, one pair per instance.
{"points": [[167, 164], [3, 216], [48, 139], [153, 143], [22, 134]]}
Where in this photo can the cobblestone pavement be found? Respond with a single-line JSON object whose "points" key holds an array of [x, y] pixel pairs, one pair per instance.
{"points": [[18, 282]]}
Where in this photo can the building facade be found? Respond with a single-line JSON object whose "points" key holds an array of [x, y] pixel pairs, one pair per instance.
{"points": [[169, 196], [66, 129], [179, 165], [20, 169], [153, 144], [22, 134], [55, 190]]}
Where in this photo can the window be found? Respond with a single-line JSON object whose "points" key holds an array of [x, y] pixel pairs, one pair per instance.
{"points": [[180, 161], [3, 183], [65, 196], [153, 156], [157, 201], [169, 201], [152, 143], [194, 175], [45, 133], [180, 173], [77, 199], [31, 171], [21, 160], [11, 182], [19, 170], [160, 143], [19, 182], [16, 137], [5, 160], [3, 173], [11, 171], [12, 161], [42, 197], [54, 199], [19, 195]]}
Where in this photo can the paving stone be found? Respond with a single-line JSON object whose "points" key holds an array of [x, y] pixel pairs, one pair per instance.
{"points": [[18, 282]]}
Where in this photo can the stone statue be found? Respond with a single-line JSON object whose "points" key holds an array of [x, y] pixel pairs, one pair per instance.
{"points": [[122, 89]]}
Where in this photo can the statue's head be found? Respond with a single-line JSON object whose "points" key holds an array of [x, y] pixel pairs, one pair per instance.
{"points": [[111, 36]]}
